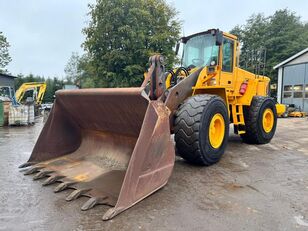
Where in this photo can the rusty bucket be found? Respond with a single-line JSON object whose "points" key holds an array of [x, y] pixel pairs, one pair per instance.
{"points": [[111, 145]]}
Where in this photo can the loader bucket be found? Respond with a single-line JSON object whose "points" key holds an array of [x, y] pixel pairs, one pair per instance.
{"points": [[111, 145]]}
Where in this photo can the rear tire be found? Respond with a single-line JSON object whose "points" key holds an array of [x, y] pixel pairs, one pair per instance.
{"points": [[201, 129], [256, 130]]}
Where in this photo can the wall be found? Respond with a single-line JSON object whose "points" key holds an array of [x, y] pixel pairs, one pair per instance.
{"points": [[295, 85], [6, 81], [301, 59]]}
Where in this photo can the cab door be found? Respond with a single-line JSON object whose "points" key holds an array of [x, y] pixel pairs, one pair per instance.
{"points": [[227, 60]]}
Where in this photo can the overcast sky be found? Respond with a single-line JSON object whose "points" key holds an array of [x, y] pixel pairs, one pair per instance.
{"points": [[43, 34]]}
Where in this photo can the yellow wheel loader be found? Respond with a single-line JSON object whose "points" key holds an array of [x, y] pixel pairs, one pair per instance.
{"points": [[114, 145]]}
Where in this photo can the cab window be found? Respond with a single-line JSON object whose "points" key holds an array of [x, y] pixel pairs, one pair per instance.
{"points": [[227, 54], [200, 50]]}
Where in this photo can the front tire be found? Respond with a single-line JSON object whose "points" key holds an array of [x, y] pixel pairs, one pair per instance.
{"points": [[260, 120], [201, 129]]}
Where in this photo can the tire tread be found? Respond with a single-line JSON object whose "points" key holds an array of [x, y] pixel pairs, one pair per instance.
{"points": [[186, 128]]}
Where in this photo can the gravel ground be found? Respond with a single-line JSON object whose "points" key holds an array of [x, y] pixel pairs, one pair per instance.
{"points": [[253, 187]]}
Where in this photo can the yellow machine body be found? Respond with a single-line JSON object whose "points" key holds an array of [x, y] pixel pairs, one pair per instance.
{"points": [[227, 83], [119, 149], [297, 114], [38, 88], [280, 108]]}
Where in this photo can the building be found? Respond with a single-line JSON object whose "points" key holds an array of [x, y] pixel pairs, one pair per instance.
{"points": [[293, 80], [7, 80], [6, 94], [7, 85], [70, 87]]}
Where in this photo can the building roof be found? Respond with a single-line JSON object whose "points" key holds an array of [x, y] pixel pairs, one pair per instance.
{"points": [[291, 58], [7, 75]]}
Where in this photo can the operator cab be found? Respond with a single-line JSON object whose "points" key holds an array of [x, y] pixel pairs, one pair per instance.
{"points": [[212, 49], [7, 91], [200, 50]]}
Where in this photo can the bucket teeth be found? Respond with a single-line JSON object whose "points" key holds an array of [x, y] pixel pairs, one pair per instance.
{"points": [[52, 179], [77, 193], [41, 175], [63, 186], [32, 170], [90, 203], [27, 164]]}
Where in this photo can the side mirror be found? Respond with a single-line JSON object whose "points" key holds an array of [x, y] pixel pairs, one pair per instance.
{"points": [[219, 38], [177, 47]]}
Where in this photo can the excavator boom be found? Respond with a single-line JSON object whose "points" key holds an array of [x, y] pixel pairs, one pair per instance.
{"points": [[39, 87]]}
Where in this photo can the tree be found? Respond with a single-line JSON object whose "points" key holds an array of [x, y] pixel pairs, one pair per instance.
{"points": [[4, 52], [49, 94], [281, 35], [121, 36], [286, 37], [72, 69], [253, 36], [26, 79], [52, 85]]}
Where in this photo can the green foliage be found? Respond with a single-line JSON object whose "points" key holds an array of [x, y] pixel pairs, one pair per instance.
{"points": [[4, 53], [281, 35], [52, 85], [28, 78], [121, 36], [72, 69]]}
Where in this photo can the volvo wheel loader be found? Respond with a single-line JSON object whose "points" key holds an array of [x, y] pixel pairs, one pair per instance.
{"points": [[114, 145]]}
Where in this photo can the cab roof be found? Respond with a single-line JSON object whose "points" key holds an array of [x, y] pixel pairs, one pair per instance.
{"points": [[210, 31]]}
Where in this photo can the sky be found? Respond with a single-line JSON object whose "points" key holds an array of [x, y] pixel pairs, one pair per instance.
{"points": [[43, 34]]}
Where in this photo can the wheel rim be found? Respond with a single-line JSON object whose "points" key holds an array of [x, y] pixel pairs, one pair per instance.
{"points": [[268, 120], [217, 130]]}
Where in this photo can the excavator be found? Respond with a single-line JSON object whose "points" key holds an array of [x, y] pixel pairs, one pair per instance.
{"points": [[38, 90], [35, 90], [114, 145]]}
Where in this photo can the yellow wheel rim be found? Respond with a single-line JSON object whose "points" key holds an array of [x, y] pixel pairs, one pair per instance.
{"points": [[268, 120], [217, 130]]}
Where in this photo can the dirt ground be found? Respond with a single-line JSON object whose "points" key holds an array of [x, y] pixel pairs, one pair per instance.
{"points": [[262, 187]]}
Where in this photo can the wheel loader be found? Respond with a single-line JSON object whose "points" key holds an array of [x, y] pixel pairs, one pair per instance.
{"points": [[114, 145]]}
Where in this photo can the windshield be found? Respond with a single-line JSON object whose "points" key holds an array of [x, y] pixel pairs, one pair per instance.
{"points": [[6, 92], [200, 51]]}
